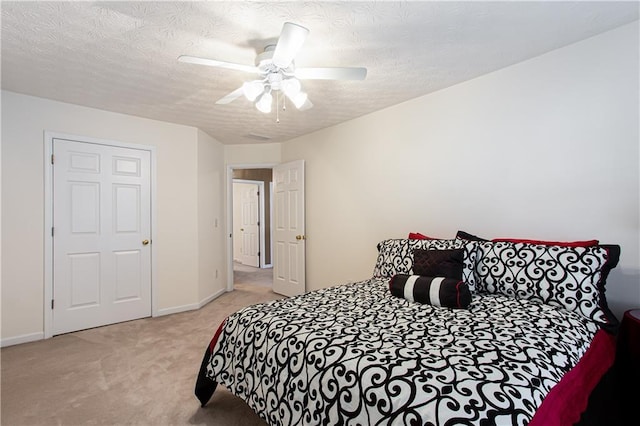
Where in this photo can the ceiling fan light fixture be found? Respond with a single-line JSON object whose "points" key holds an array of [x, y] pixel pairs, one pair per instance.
{"points": [[264, 103], [291, 87], [298, 99], [252, 89]]}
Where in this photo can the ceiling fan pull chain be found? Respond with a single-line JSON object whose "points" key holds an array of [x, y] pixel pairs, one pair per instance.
{"points": [[277, 107]]}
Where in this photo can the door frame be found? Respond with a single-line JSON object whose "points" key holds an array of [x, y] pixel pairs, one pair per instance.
{"points": [[49, 136], [261, 216], [229, 224]]}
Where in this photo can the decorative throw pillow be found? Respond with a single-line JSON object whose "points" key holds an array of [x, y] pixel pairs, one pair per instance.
{"points": [[613, 257], [470, 237], [438, 263], [395, 256], [419, 236], [587, 243], [570, 277], [436, 291]]}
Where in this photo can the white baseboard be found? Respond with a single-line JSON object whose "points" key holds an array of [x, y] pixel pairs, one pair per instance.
{"points": [[177, 309], [212, 297], [32, 337], [191, 306], [25, 338]]}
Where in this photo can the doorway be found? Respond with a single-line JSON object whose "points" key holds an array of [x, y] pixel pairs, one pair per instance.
{"points": [[250, 217]]}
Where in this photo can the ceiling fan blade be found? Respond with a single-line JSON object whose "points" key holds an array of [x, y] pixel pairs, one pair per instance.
{"points": [[291, 40], [339, 73], [230, 97], [215, 63]]}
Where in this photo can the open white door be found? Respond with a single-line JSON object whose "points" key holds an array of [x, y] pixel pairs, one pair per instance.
{"points": [[288, 229]]}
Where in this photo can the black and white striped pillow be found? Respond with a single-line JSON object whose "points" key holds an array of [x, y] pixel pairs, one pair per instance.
{"points": [[436, 291]]}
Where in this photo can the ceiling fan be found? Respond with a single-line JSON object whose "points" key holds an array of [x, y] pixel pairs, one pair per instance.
{"points": [[277, 73]]}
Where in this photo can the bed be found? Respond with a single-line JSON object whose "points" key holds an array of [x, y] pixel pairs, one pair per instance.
{"points": [[376, 352]]}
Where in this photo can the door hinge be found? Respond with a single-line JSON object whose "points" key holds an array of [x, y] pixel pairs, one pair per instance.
{"points": [[51, 303], [52, 228], [53, 157]]}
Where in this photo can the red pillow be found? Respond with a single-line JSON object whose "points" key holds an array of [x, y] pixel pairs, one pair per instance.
{"points": [[419, 236], [587, 243]]}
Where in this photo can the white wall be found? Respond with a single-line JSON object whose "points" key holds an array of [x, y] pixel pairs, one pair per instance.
{"points": [[185, 157], [545, 149], [265, 153], [211, 232]]}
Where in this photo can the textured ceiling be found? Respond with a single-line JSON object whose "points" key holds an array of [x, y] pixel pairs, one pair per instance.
{"points": [[122, 56]]}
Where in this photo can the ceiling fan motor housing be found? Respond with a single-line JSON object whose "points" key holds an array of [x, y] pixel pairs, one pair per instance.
{"points": [[275, 80], [273, 74]]}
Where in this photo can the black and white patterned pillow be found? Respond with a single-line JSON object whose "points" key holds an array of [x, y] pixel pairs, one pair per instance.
{"points": [[395, 256], [570, 277]]}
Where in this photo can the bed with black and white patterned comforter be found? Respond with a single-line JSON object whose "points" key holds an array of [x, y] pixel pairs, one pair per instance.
{"points": [[355, 355]]}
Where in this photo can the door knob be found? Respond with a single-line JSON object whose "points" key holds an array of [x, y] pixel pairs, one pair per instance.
{"points": [[300, 237], [145, 242]]}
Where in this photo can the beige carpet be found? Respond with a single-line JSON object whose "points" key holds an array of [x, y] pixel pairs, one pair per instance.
{"points": [[139, 372], [243, 274]]}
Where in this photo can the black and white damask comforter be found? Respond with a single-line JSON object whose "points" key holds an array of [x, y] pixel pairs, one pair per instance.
{"points": [[355, 355]]}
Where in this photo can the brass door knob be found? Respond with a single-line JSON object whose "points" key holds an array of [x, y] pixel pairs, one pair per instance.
{"points": [[300, 237], [145, 242]]}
